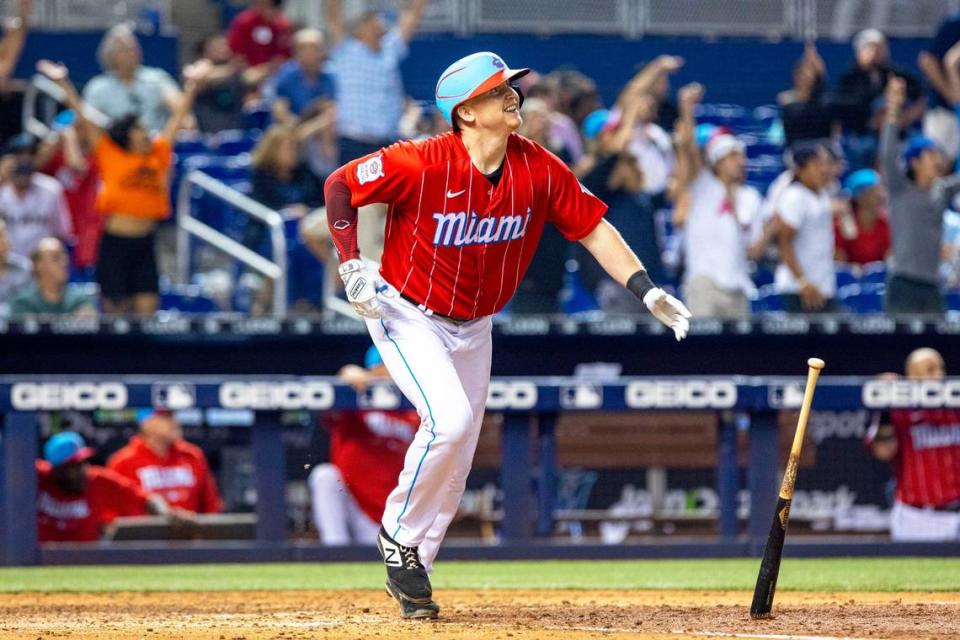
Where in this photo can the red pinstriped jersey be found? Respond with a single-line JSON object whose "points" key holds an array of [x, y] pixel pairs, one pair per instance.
{"points": [[928, 456], [456, 243]]}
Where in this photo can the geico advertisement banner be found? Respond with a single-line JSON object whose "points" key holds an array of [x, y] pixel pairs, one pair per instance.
{"points": [[931, 394], [689, 394], [276, 395], [77, 396]]}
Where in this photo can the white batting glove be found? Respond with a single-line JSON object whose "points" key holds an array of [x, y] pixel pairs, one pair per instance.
{"points": [[361, 287], [669, 311]]}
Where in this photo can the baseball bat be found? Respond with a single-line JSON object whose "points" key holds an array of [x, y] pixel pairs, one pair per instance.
{"points": [[770, 565]]}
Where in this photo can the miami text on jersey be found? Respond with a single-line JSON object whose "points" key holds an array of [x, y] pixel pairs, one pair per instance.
{"points": [[460, 230]]}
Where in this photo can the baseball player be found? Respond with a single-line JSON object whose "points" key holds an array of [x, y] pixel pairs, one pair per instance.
{"points": [[924, 447], [465, 212]]}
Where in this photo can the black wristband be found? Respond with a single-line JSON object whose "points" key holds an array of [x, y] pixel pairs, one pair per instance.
{"points": [[640, 283]]}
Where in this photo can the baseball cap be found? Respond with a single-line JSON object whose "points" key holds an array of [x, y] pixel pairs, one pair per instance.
{"points": [[860, 180], [868, 36], [720, 146], [372, 358], [703, 132], [596, 122], [915, 146], [470, 76], [147, 413], [65, 448]]}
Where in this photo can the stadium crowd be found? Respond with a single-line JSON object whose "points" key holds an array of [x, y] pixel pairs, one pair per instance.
{"points": [[840, 199]]}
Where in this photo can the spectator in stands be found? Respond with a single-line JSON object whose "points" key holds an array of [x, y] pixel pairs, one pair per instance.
{"points": [[716, 210], [14, 36], [67, 157], [940, 121], [859, 96], [805, 277], [366, 456], [14, 270], [302, 81], [536, 127], [918, 198], [134, 196], [32, 204], [51, 293], [220, 96], [861, 229], [366, 67], [924, 447], [127, 87], [76, 500], [281, 179], [806, 109], [161, 462], [564, 132], [261, 37]]}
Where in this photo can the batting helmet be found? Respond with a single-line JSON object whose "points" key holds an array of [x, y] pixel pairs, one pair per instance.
{"points": [[469, 77]]}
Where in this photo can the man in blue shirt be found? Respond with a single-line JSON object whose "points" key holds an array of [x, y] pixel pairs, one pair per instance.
{"points": [[302, 81], [366, 67]]}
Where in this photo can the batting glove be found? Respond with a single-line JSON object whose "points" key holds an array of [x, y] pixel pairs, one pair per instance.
{"points": [[361, 287], [669, 311]]}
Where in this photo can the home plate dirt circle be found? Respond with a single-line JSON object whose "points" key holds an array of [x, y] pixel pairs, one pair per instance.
{"points": [[503, 614]]}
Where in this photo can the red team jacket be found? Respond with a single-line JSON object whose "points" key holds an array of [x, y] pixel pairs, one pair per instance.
{"points": [[368, 448], [928, 456], [68, 518], [182, 478], [453, 241]]}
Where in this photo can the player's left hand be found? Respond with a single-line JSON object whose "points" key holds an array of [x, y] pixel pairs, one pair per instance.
{"points": [[361, 288], [669, 311]]}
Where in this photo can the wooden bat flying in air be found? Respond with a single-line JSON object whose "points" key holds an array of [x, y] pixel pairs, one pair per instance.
{"points": [[770, 566]]}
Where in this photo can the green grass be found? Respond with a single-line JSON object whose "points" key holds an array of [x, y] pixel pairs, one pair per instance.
{"points": [[842, 574]]}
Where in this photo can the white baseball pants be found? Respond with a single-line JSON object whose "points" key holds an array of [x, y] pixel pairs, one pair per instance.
{"points": [[443, 368], [913, 524], [337, 516]]}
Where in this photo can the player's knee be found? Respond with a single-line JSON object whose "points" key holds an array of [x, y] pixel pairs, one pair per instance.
{"points": [[454, 422], [324, 476]]}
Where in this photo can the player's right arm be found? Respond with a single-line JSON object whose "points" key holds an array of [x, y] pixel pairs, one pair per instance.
{"points": [[385, 176]]}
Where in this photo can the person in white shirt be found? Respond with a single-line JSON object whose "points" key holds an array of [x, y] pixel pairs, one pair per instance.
{"points": [[715, 208], [805, 276], [32, 204]]}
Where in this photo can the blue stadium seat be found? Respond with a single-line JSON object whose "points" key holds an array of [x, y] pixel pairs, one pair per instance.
{"points": [[862, 298], [727, 115], [953, 299], [762, 277], [258, 117], [233, 143], [845, 275], [187, 299], [767, 300], [574, 297], [188, 145], [874, 273]]}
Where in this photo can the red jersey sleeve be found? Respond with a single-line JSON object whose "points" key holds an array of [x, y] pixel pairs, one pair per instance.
{"points": [[388, 175], [111, 495], [573, 209]]}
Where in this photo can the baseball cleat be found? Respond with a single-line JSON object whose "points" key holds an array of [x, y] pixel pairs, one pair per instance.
{"points": [[412, 610], [406, 575]]}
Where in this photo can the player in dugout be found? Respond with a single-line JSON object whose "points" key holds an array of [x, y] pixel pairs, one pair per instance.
{"points": [[467, 209], [160, 461], [76, 500], [924, 447], [366, 456]]}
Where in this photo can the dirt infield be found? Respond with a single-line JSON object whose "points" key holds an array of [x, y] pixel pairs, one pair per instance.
{"points": [[513, 615]]}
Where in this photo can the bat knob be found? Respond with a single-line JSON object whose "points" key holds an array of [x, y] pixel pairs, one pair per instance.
{"points": [[815, 363]]}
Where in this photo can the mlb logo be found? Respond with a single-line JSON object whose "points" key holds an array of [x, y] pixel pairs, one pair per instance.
{"points": [[581, 396], [785, 396], [380, 396], [174, 395]]}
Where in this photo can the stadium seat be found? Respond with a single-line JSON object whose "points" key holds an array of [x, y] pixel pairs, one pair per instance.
{"points": [[726, 115], [258, 117], [953, 300], [574, 297], [233, 143], [845, 276], [186, 299], [762, 277], [767, 300], [874, 273], [188, 145], [862, 298]]}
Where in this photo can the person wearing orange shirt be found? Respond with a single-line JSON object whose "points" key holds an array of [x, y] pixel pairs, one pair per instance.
{"points": [[160, 461], [134, 194], [76, 500]]}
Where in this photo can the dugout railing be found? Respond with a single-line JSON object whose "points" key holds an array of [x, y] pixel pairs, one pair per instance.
{"points": [[530, 407]]}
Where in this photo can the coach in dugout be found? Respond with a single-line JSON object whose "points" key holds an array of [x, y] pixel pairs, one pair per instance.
{"points": [[76, 500], [159, 460], [924, 447]]}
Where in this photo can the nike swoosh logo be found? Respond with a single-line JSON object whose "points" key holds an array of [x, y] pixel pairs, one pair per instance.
{"points": [[454, 194]]}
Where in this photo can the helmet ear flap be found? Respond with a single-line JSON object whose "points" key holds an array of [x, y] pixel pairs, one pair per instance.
{"points": [[516, 87]]}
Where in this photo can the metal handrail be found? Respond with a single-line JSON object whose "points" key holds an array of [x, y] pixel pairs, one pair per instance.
{"points": [[42, 84], [187, 226]]}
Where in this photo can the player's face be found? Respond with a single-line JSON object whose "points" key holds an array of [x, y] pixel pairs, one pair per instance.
{"points": [[497, 108], [162, 427], [732, 167], [929, 367]]}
